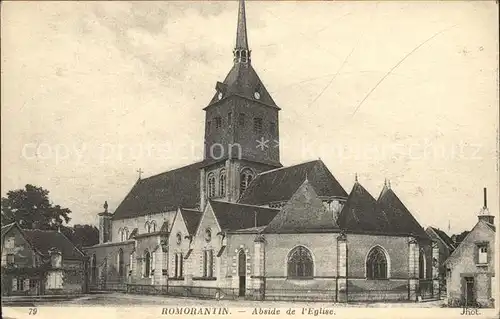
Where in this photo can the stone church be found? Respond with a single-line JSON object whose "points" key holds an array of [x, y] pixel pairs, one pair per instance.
{"points": [[239, 224]]}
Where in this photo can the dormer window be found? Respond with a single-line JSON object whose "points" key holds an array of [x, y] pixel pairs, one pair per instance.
{"points": [[220, 95], [482, 253]]}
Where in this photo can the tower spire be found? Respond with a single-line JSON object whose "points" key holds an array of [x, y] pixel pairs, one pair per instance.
{"points": [[241, 51]]}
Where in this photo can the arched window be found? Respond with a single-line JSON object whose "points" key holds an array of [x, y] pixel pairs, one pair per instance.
{"points": [[211, 185], [421, 264], [242, 263], [93, 269], [120, 262], [152, 226], [147, 263], [120, 234], [125, 233], [246, 177], [376, 264], [222, 183], [300, 262]]}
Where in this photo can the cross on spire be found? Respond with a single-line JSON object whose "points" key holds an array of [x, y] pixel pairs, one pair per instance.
{"points": [[140, 171], [241, 51]]}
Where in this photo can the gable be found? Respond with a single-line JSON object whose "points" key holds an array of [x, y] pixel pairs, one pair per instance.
{"points": [[304, 212], [280, 184], [163, 192], [208, 220], [481, 232]]}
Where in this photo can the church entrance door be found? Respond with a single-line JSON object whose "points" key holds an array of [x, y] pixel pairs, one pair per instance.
{"points": [[242, 266]]}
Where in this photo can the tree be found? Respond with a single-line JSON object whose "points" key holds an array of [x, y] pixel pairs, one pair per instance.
{"points": [[85, 235], [30, 208]]}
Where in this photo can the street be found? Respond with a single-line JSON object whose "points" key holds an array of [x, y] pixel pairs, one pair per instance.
{"points": [[121, 299]]}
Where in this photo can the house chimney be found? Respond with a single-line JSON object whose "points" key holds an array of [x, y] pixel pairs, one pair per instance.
{"points": [[485, 215], [485, 199]]}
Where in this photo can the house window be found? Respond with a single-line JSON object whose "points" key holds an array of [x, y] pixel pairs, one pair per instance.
{"points": [[241, 120], [246, 177], [120, 262], [9, 243], [229, 118], [272, 128], [208, 263], [218, 122], [376, 264], [222, 183], [300, 263], [179, 265], [33, 283], [482, 257], [211, 185], [257, 125], [147, 264], [153, 226], [10, 259], [20, 284]]}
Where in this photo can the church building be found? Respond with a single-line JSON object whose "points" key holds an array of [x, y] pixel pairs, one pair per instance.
{"points": [[239, 224]]}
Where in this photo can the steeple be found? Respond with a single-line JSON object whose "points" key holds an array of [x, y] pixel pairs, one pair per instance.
{"points": [[241, 51]]}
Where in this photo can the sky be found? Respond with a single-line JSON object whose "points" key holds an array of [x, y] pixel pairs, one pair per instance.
{"points": [[93, 91]]}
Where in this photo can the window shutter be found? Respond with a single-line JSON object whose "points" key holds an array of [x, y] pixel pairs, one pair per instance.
{"points": [[14, 284]]}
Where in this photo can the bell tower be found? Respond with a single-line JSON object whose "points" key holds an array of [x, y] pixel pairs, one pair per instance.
{"points": [[241, 126]]}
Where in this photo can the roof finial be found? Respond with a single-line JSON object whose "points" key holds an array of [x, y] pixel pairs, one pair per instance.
{"points": [[105, 206], [389, 184], [140, 171], [355, 177], [241, 50]]}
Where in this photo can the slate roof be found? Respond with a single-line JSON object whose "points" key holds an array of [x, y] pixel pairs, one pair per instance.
{"points": [[44, 240], [361, 213], [280, 184], [303, 213], [163, 192], [444, 237], [401, 221], [242, 80], [231, 216], [192, 219]]}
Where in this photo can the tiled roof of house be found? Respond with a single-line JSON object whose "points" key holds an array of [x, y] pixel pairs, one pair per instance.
{"points": [[44, 240], [191, 218], [400, 220], [163, 192], [280, 184], [444, 237], [303, 213], [231, 216], [242, 80]]}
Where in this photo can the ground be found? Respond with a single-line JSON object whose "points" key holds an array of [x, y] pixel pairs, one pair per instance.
{"points": [[121, 299]]}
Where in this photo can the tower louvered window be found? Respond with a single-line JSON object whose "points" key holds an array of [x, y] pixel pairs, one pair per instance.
{"points": [[257, 125], [245, 178], [222, 183], [211, 185]]}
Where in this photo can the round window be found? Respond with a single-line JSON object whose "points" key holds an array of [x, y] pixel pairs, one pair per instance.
{"points": [[256, 95], [179, 238], [208, 234]]}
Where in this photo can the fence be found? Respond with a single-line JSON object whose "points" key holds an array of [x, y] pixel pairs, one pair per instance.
{"points": [[426, 289], [383, 290], [301, 295], [183, 291]]}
